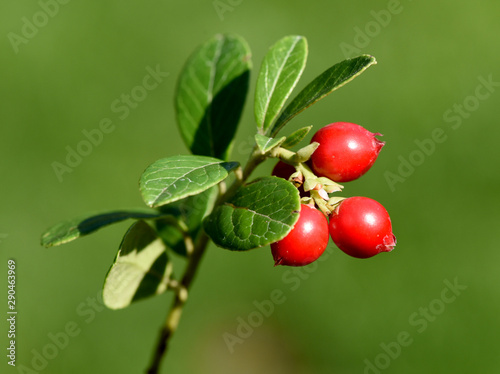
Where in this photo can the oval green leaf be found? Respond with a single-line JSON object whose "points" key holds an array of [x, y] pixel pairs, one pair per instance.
{"points": [[296, 137], [330, 80], [260, 213], [265, 143], [174, 178], [70, 230], [280, 71], [141, 268], [211, 92]]}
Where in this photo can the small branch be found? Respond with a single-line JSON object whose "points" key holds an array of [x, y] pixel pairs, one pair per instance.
{"points": [[181, 294], [188, 242], [239, 173], [222, 188]]}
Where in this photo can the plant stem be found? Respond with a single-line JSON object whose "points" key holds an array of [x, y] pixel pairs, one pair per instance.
{"points": [[181, 295]]}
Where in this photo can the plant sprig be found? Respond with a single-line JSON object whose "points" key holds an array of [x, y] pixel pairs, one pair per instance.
{"points": [[190, 203]]}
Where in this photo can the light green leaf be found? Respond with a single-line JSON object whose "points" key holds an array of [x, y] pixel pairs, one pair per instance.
{"points": [[280, 71], [70, 230], [141, 268], [210, 95], [260, 213], [190, 212], [265, 144], [330, 80], [296, 137], [174, 178]]}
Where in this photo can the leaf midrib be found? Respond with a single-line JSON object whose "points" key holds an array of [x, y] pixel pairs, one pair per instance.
{"points": [[271, 92], [210, 94], [176, 179]]}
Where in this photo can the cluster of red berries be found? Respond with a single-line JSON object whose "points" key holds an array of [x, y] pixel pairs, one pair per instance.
{"points": [[359, 226]]}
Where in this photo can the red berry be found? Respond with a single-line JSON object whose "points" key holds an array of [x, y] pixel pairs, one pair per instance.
{"points": [[346, 151], [306, 242], [361, 227], [284, 170]]}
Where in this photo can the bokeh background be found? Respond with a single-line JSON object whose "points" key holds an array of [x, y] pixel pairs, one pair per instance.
{"points": [[338, 315]]}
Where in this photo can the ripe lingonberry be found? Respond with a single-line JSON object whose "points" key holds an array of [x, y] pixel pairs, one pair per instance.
{"points": [[361, 227], [306, 242], [346, 151], [284, 170]]}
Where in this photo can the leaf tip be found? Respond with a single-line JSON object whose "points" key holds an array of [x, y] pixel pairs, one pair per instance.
{"points": [[44, 243], [373, 60], [230, 165]]}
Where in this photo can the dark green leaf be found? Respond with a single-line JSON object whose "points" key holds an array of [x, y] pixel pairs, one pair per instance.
{"points": [[332, 79], [174, 178], [67, 231], [141, 268], [260, 213], [265, 144], [190, 212], [280, 71], [296, 137], [210, 95]]}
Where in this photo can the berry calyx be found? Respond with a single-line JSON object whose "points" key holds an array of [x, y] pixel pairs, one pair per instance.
{"points": [[306, 242], [361, 227], [346, 151]]}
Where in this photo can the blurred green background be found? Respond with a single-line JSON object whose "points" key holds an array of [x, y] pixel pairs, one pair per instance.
{"points": [[338, 316]]}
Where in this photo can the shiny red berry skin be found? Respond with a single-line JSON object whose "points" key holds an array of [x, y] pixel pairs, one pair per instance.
{"points": [[284, 170], [361, 227], [306, 242], [346, 151]]}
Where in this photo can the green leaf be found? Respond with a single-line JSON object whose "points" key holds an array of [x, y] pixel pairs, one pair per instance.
{"points": [[265, 144], [280, 71], [210, 95], [141, 268], [296, 137], [330, 80], [190, 212], [174, 178], [70, 230], [259, 214]]}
